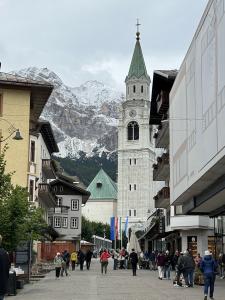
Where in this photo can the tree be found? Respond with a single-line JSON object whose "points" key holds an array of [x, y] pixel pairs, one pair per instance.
{"points": [[90, 228], [20, 221]]}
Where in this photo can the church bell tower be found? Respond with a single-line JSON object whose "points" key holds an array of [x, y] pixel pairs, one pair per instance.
{"points": [[135, 148]]}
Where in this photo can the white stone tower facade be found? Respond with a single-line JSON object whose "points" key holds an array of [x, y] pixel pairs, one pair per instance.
{"points": [[135, 148]]}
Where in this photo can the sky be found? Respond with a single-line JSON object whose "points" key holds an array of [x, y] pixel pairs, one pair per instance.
{"points": [[84, 40]]}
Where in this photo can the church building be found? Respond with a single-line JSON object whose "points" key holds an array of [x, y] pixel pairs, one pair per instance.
{"points": [[135, 145]]}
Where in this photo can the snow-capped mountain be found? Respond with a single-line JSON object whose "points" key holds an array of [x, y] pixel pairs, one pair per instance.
{"points": [[83, 118]]}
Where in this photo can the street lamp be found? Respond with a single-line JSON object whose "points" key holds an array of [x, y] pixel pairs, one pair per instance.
{"points": [[11, 129]]}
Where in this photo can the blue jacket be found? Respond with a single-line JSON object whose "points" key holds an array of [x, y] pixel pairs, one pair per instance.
{"points": [[208, 265]]}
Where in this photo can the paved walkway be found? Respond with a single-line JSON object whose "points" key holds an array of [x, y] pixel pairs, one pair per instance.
{"points": [[116, 285]]}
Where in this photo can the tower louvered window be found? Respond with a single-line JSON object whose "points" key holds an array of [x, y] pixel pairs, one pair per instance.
{"points": [[133, 131]]}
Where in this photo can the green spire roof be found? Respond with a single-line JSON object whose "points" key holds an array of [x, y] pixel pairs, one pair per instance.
{"points": [[102, 187], [137, 67]]}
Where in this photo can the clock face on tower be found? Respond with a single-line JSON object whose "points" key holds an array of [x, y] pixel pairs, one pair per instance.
{"points": [[132, 113]]}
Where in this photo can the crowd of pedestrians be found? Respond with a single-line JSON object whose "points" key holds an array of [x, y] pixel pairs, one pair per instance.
{"points": [[62, 261]]}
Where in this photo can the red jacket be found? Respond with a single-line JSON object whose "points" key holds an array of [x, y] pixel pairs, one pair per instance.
{"points": [[104, 256]]}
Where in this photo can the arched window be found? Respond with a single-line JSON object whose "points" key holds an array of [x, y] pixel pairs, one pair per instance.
{"points": [[133, 131], [134, 88], [142, 89]]}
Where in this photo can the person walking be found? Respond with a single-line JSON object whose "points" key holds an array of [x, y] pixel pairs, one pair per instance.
{"points": [[188, 268], [104, 260], [65, 263], [73, 258], [134, 261], [58, 261], [221, 263], [167, 267], [88, 258], [81, 257], [4, 270], [115, 257], [160, 264], [208, 267]]}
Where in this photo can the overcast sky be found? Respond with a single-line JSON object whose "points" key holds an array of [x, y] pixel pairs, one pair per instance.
{"points": [[94, 39]]}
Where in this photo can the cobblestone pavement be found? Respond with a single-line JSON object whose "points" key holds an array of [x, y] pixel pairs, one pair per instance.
{"points": [[116, 285]]}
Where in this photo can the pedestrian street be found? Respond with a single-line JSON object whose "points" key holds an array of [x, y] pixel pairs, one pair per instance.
{"points": [[116, 285]]}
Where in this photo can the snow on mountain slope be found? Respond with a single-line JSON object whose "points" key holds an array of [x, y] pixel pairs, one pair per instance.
{"points": [[83, 118]]}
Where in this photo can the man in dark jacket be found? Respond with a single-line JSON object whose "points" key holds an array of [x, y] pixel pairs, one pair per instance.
{"points": [[187, 266], [88, 258], [134, 261], [208, 267], [4, 270]]}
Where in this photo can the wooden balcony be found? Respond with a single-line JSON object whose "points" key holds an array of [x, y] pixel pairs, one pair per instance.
{"points": [[162, 135], [162, 102], [47, 195], [48, 168], [162, 199], [161, 170]]}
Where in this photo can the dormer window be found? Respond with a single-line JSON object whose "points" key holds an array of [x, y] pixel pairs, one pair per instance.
{"points": [[134, 88], [99, 184]]}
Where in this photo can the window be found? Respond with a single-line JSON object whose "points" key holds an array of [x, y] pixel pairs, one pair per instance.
{"points": [[65, 222], [99, 184], [74, 204], [55, 188], [128, 90], [130, 187], [59, 201], [133, 131], [31, 190], [129, 212], [135, 213], [74, 223], [168, 218], [130, 161], [135, 161], [1, 105], [134, 88], [135, 187], [32, 151], [57, 222], [61, 188], [142, 89]]}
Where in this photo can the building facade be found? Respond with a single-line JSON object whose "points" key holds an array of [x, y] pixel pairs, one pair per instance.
{"points": [[135, 154], [102, 204], [197, 140]]}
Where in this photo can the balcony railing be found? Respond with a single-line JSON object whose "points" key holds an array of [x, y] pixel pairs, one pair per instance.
{"points": [[162, 135], [47, 195], [161, 170], [48, 168], [58, 210], [162, 199]]}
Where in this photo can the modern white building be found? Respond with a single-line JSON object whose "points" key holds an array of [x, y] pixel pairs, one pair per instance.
{"points": [[135, 154], [197, 139]]}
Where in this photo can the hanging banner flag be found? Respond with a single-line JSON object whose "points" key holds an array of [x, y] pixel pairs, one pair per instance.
{"points": [[119, 228], [126, 227], [116, 227], [112, 228]]}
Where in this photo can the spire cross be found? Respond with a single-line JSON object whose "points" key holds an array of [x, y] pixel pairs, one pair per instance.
{"points": [[138, 24]]}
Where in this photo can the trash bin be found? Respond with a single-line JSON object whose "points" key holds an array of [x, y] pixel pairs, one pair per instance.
{"points": [[12, 284]]}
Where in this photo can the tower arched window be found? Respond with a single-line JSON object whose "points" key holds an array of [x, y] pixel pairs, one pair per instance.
{"points": [[134, 88], [133, 131], [142, 89]]}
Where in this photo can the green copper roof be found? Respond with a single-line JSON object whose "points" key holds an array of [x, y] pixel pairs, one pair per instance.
{"points": [[137, 67], [102, 187]]}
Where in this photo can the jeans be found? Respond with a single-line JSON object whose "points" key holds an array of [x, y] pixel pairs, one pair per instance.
{"points": [[57, 272], [64, 268], [104, 265], [73, 263], [188, 276], [167, 272], [160, 270], [209, 280], [134, 269], [88, 263]]}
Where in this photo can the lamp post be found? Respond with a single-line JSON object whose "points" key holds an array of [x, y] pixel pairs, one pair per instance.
{"points": [[11, 129]]}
